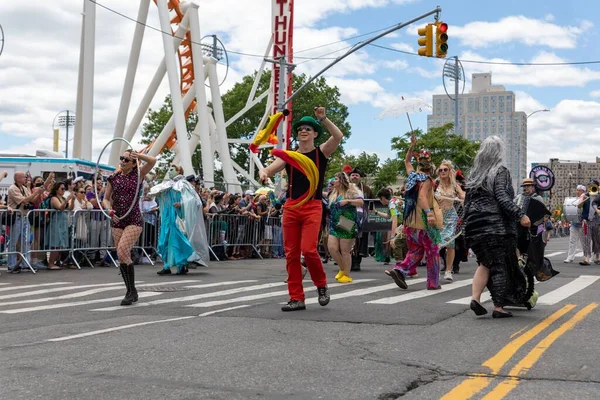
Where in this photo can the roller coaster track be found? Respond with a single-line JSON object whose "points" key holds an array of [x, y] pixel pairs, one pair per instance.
{"points": [[186, 66]]}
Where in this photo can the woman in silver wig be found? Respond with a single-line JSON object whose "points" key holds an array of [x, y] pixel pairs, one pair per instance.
{"points": [[491, 218]]}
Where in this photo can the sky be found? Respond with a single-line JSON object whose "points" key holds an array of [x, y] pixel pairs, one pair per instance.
{"points": [[39, 64]]}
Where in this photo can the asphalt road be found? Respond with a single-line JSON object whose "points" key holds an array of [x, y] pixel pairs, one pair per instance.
{"points": [[218, 333]]}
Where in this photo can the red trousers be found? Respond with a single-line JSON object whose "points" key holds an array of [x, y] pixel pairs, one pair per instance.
{"points": [[301, 236]]}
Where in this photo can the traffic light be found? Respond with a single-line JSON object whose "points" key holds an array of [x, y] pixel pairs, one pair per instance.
{"points": [[441, 37], [426, 40]]}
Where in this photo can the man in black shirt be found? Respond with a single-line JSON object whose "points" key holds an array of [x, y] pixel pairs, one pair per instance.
{"points": [[301, 225]]}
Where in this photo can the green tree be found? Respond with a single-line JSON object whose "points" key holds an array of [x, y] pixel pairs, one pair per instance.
{"points": [[442, 144], [387, 174], [367, 163], [317, 93]]}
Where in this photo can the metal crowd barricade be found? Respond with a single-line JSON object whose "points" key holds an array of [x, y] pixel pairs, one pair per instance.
{"points": [[147, 244], [232, 230], [91, 236], [16, 232], [271, 239]]}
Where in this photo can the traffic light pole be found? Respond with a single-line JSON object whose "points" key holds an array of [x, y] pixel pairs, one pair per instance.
{"points": [[436, 11]]}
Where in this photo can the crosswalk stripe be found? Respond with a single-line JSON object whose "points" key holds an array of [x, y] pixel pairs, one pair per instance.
{"points": [[206, 314], [54, 290], [74, 304], [117, 286], [485, 296], [266, 295], [567, 290], [421, 293], [4, 283], [204, 285], [363, 292], [201, 296], [32, 286], [557, 253]]}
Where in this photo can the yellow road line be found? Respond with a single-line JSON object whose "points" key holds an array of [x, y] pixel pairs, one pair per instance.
{"points": [[506, 386], [519, 331], [473, 385], [497, 362]]}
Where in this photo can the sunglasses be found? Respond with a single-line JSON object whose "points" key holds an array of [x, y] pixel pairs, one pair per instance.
{"points": [[81, 192], [443, 170], [305, 128], [126, 159]]}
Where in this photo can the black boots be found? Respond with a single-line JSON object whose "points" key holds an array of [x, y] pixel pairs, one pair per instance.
{"points": [[128, 274]]}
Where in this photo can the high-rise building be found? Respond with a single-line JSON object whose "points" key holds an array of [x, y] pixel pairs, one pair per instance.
{"points": [[567, 175], [487, 110]]}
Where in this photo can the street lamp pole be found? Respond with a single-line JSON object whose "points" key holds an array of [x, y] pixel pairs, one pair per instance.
{"points": [[65, 121], [537, 111], [525, 124]]}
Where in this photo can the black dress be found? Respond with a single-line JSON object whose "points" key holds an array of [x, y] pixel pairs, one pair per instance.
{"points": [[491, 231]]}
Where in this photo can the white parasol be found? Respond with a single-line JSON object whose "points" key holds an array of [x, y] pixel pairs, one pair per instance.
{"points": [[405, 106]]}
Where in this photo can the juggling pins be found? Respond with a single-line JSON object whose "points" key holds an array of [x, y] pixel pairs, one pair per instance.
{"points": [[269, 133]]}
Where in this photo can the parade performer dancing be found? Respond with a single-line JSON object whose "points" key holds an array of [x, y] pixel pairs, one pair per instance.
{"points": [[421, 224], [121, 191], [301, 223], [182, 237]]}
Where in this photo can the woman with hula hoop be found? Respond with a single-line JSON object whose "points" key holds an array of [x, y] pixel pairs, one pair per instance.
{"points": [[121, 194]]}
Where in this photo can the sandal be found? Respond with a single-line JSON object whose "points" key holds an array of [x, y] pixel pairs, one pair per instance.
{"points": [[54, 268]]}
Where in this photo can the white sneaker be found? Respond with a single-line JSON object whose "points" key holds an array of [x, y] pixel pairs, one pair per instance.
{"points": [[448, 276], [568, 261]]}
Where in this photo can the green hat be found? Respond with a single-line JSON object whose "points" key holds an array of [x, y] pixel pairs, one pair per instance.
{"points": [[308, 121]]}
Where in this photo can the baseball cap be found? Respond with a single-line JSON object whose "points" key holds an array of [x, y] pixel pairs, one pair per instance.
{"points": [[250, 192], [78, 179]]}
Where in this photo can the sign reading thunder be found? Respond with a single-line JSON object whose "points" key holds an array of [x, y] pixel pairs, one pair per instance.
{"points": [[283, 28]]}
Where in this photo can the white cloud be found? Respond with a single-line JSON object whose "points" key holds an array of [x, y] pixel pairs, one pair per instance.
{"points": [[425, 73], [533, 75], [369, 91], [565, 132], [595, 93], [40, 60], [403, 47], [518, 28], [524, 102], [549, 17], [396, 64]]}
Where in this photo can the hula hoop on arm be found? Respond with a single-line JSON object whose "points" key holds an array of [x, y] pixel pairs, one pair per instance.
{"points": [[133, 203]]}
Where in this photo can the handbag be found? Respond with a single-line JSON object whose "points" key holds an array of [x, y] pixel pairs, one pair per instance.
{"points": [[345, 224], [439, 217]]}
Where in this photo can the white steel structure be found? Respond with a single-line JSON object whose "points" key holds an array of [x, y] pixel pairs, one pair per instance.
{"points": [[189, 71]]}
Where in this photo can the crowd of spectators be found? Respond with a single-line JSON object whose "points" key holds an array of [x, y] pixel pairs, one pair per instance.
{"points": [[240, 225]]}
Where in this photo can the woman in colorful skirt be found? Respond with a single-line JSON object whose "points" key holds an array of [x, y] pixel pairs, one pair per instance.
{"points": [[446, 194], [343, 202]]}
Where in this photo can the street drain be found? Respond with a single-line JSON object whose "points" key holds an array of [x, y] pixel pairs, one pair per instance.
{"points": [[161, 289]]}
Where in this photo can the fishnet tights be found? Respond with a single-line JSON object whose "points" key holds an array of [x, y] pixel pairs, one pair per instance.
{"points": [[124, 240]]}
